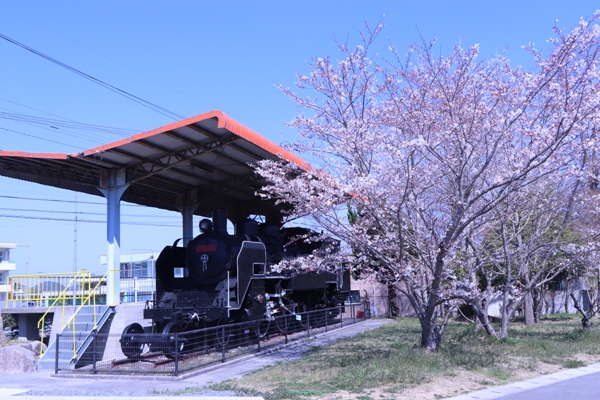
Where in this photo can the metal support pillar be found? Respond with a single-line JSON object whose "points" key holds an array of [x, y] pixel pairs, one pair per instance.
{"points": [[112, 185], [190, 204]]}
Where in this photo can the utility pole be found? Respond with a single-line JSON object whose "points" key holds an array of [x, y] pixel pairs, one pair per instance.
{"points": [[75, 238], [26, 262]]}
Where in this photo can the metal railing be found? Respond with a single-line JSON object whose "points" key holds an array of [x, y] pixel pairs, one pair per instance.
{"points": [[90, 300], [86, 297], [137, 290], [180, 352], [41, 290], [73, 291], [44, 289]]}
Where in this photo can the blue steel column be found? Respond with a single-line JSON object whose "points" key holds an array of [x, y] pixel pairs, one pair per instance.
{"points": [[112, 185], [190, 204]]}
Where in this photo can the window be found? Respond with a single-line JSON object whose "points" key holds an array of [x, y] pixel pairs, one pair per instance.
{"points": [[140, 269], [3, 257], [3, 276], [258, 268], [178, 273]]}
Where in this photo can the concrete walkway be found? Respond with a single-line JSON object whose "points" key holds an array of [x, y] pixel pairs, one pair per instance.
{"points": [[579, 383], [147, 387]]}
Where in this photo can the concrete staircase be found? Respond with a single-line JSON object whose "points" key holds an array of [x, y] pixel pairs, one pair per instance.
{"points": [[75, 342]]}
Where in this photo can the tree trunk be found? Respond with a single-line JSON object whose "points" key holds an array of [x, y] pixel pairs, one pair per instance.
{"points": [[394, 310], [585, 321], [528, 309], [481, 317], [477, 322], [433, 337], [431, 332], [505, 312], [3, 338], [567, 292], [538, 303]]}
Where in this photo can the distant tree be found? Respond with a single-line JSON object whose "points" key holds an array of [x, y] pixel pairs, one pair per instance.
{"points": [[427, 148]]}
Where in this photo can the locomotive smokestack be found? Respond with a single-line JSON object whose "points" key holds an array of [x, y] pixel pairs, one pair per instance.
{"points": [[219, 218]]}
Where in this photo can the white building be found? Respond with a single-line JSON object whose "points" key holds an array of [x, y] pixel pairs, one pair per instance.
{"points": [[5, 267], [138, 276], [142, 265]]}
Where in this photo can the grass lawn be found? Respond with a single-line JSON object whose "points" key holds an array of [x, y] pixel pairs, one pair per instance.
{"points": [[387, 363]]}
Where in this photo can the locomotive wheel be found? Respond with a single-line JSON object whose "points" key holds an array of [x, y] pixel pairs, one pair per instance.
{"points": [[168, 336], [131, 345]]}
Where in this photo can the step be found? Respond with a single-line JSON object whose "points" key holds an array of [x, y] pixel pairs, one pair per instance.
{"points": [[76, 336], [83, 326]]}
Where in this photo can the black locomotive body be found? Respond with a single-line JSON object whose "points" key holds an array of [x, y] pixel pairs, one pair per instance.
{"points": [[220, 278]]}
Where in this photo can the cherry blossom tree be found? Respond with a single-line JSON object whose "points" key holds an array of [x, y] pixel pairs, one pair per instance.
{"points": [[535, 237], [426, 148]]}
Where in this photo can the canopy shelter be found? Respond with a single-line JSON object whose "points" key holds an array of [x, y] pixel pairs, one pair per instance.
{"points": [[192, 166]]}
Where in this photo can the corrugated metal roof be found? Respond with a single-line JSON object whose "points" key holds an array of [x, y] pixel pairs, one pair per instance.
{"points": [[210, 153]]}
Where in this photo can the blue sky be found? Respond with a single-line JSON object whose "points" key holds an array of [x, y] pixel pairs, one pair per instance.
{"points": [[191, 57]]}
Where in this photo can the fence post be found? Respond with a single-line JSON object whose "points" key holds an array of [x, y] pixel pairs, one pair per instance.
{"points": [[286, 325], [56, 353], [223, 344], [176, 354], [326, 321], [258, 337], [94, 351], [308, 323]]}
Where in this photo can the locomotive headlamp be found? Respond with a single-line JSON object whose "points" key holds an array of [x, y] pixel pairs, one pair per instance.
{"points": [[206, 225]]}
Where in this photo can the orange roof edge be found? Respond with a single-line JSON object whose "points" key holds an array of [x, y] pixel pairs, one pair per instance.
{"points": [[153, 132], [23, 154], [261, 141], [223, 122]]}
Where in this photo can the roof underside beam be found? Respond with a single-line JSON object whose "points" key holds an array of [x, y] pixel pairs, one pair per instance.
{"points": [[164, 162]]}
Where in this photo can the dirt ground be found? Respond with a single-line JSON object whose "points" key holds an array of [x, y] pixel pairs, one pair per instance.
{"points": [[443, 387]]}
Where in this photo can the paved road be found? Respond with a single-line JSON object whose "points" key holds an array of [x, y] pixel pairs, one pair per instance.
{"points": [[146, 386], [580, 383]]}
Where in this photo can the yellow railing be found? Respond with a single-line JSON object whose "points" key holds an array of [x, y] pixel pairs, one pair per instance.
{"points": [[73, 291], [90, 299], [40, 290]]}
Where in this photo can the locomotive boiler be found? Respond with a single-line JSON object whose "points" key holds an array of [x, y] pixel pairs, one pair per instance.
{"points": [[220, 278]]}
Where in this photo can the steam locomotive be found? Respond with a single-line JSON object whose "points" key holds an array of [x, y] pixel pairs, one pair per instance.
{"points": [[220, 278]]}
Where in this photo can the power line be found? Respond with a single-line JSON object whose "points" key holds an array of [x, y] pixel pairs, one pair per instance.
{"points": [[64, 127], [64, 201], [88, 221], [85, 213], [53, 123], [40, 138], [111, 59], [106, 85], [131, 69], [65, 123]]}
